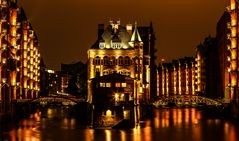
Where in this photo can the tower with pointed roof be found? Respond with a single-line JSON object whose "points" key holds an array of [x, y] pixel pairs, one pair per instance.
{"points": [[120, 49]]}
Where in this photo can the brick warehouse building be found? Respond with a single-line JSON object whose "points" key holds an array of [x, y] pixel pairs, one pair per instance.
{"points": [[19, 55]]}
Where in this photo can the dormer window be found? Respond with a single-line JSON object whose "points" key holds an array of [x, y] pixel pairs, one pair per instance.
{"points": [[102, 45], [116, 45]]}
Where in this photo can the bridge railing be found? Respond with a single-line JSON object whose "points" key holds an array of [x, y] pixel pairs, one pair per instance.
{"points": [[55, 99], [186, 100]]}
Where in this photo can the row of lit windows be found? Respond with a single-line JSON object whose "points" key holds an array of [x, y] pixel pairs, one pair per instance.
{"points": [[116, 45], [113, 45], [127, 73], [117, 85], [112, 61]]}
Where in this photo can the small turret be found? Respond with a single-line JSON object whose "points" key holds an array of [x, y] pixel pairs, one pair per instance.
{"points": [[135, 37]]}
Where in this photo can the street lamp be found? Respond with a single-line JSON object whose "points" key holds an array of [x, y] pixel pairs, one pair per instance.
{"points": [[4, 80]]}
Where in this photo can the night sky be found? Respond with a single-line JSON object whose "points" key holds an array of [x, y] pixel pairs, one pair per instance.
{"points": [[67, 28]]}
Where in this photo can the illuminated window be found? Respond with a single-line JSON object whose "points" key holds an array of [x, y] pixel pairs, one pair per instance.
{"points": [[124, 85], [117, 85], [106, 60], [108, 85], [120, 61], [102, 45], [127, 60], [122, 97], [102, 84], [97, 61], [112, 60], [116, 45]]}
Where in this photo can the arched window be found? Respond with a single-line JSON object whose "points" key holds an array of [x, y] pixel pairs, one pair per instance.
{"points": [[112, 60], [106, 60], [120, 61], [127, 61], [97, 60]]}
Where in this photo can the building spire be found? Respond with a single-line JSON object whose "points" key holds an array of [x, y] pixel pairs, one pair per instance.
{"points": [[135, 36]]}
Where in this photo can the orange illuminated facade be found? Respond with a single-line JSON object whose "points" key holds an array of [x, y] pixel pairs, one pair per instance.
{"points": [[233, 48], [177, 77], [19, 54], [120, 49]]}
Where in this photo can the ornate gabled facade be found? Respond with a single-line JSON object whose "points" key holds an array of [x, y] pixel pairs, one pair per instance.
{"points": [[19, 55], [120, 49]]}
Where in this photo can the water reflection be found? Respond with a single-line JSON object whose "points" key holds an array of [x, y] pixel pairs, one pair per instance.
{"points": [[165, 124], [176, 117], [103, 117], [27, 131]]}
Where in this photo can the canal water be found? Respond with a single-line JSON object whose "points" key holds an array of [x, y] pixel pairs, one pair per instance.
{"points": [[168, 124]]}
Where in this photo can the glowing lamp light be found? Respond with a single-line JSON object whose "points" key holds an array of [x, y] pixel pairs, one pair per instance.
{"points": [[18, 83], [116, 95], [228, 47], [229, 69], [4, 80], [4, 61], [108, 113], [228, 58]]}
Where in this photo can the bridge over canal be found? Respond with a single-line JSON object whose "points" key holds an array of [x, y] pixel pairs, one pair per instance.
{"points": [[54, 99], [186, 100]]}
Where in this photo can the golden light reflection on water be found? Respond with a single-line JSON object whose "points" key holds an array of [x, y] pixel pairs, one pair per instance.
{"points": [[137, 133], [175, 117], [187, 116], [123, 135], [69, 123], [108, 135], [89, 135], [147, 134], [188, 120], [50, 113], [26, 132], [230, 132]]}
